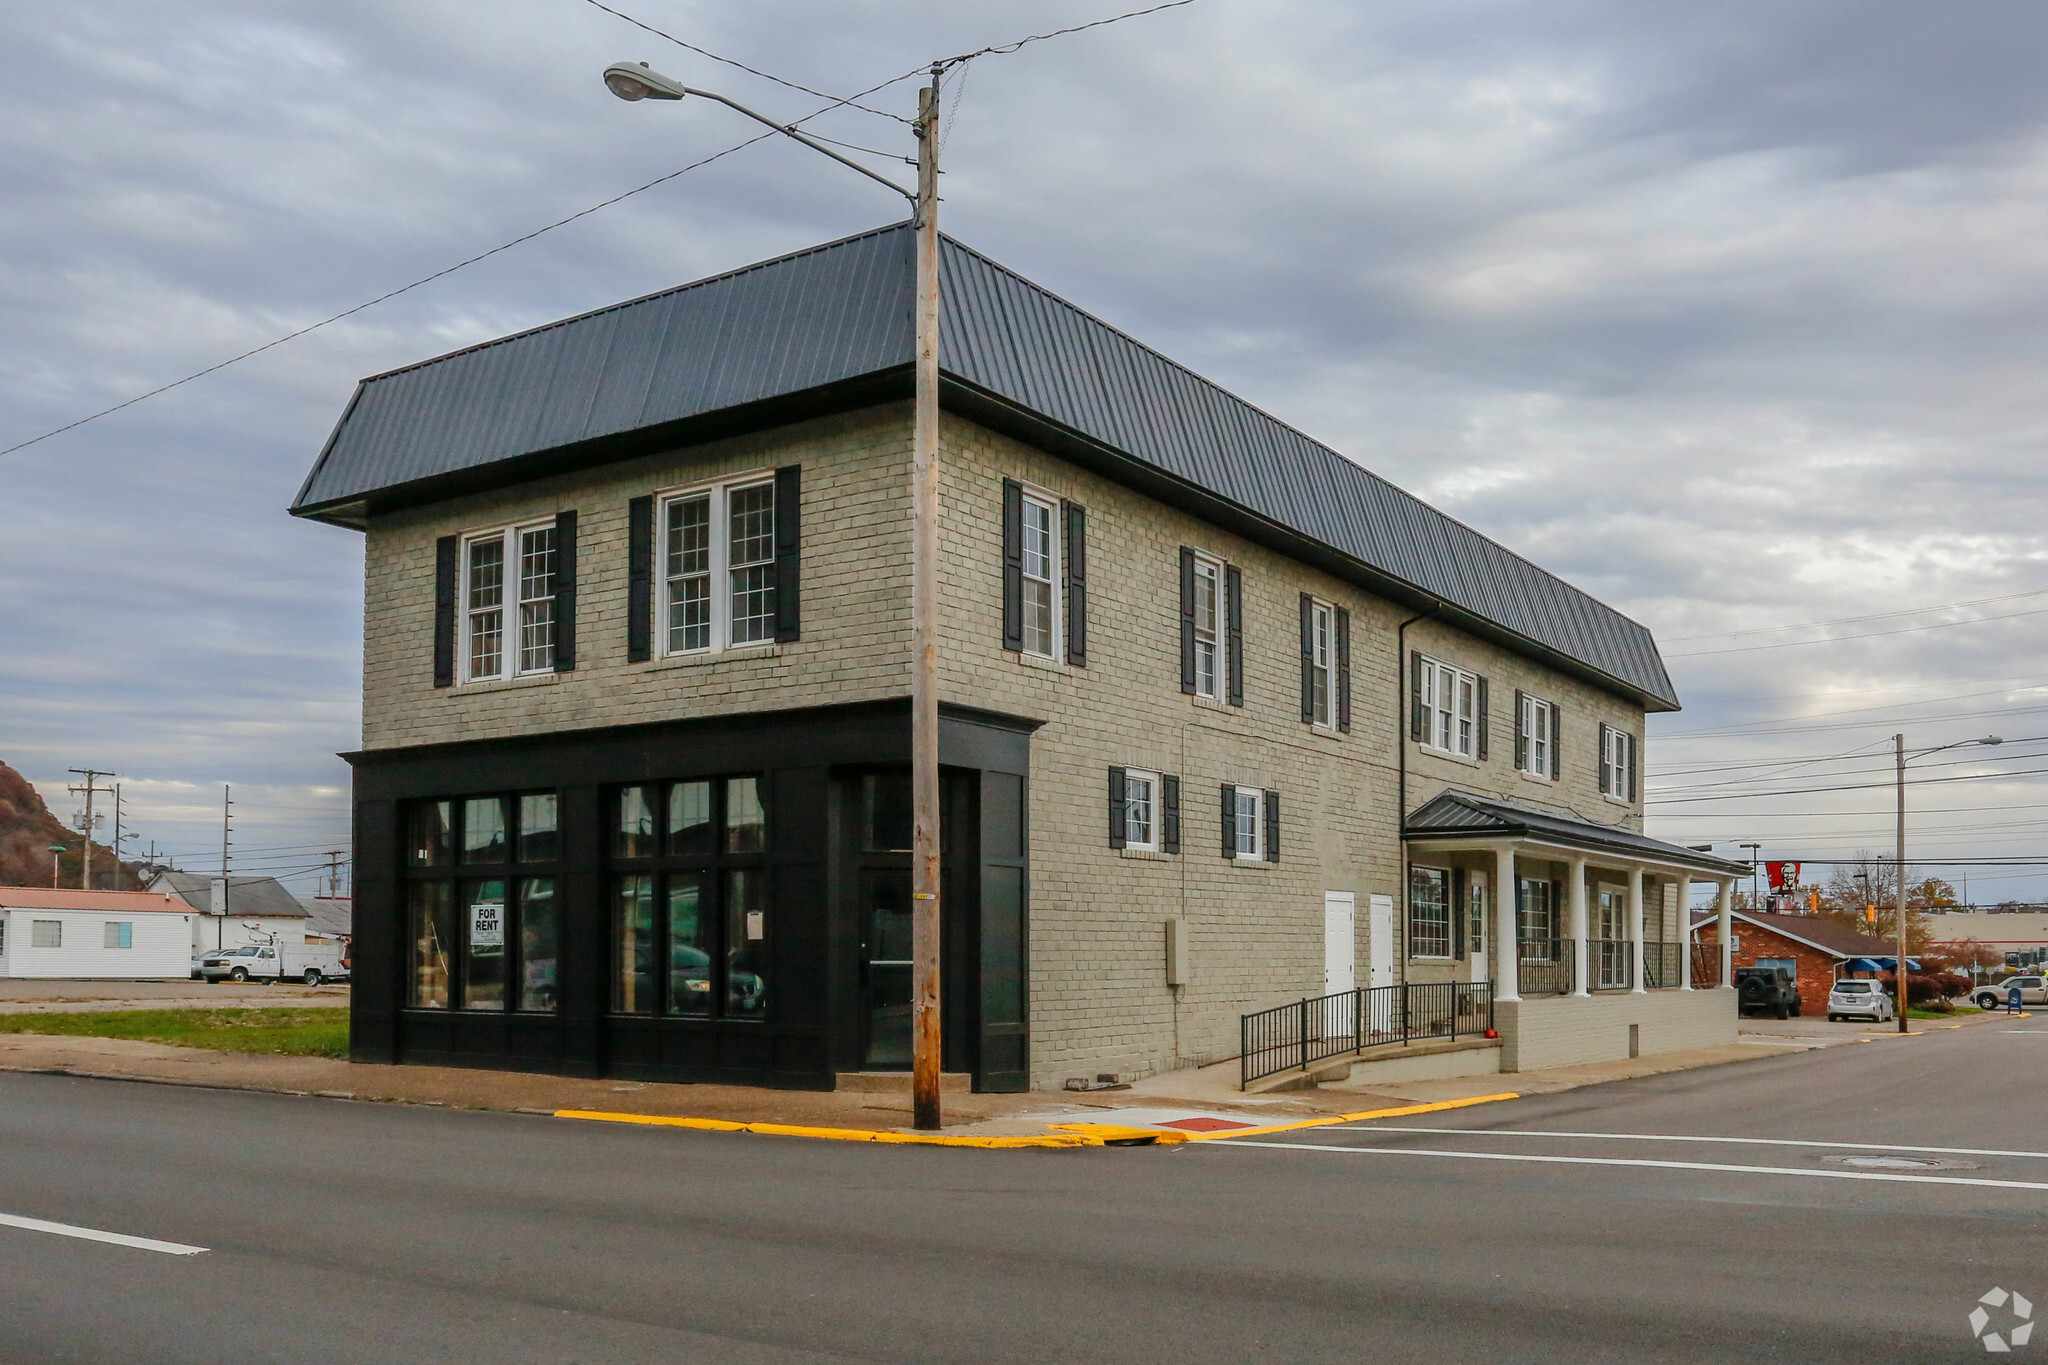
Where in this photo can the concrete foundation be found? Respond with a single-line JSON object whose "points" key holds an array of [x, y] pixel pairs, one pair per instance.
{"points": [[1568, 1030]]}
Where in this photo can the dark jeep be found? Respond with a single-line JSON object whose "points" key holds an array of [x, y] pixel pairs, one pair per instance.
{"points": [[1768, 989]]}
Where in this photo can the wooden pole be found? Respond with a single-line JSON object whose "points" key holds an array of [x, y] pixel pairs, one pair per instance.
{"points": [[1899, 747], [924, 681]]}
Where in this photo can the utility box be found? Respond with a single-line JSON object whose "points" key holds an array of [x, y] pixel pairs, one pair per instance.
{"points": [[1176, 952]]}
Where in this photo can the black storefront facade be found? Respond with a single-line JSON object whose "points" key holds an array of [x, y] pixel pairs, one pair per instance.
{"points": [[721, 899]]}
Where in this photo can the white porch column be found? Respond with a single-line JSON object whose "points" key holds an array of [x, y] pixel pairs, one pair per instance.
{"points": [[1635, 926], [1725, 905], [1577, 901], [1507, 948], [1685, 931]]}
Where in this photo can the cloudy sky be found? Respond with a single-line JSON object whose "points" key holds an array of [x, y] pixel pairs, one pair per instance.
{"points": [[1729, 313]]}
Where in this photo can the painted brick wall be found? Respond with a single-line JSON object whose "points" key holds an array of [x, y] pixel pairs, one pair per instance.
{"points": [[855, 574], [1564, 1031]]}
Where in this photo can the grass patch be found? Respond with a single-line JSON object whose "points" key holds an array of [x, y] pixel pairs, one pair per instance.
{"points": [[271, 1032]]}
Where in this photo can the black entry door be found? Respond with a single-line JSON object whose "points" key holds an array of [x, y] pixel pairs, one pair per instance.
{"points": [[885, 970]]}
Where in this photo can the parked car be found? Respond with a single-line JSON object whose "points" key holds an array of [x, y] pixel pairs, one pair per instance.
{"points": [[262, 962], [1860, 1000], [1769, 989], [2033, 991]]}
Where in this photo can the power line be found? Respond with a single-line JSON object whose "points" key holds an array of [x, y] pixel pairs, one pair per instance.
{"points": [[1851, 787], [1843, 639], [837, 102], [1761, 731], [1882, 768], [1852, 620], [1004, 49]]}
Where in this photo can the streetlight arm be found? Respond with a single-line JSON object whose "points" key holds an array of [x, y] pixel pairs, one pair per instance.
{"points": [[789, 130]]}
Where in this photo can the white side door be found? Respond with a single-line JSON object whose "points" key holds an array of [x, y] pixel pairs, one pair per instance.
{"points": [[1380, 928], [1340, 942], [1476, 923]]}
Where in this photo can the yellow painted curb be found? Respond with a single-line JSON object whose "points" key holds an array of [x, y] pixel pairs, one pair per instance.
{"points": [[1402, 1112], [1077, 1134], [1061, 1134]]}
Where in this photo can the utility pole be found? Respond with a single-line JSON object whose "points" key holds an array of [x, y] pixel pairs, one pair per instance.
{"points": [[334, 872], [1899, 748], [220, 924], [92, 777], [117, 836], [925, 1050]]}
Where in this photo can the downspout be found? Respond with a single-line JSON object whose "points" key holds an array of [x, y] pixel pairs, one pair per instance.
{"points": [[1402, 720]]}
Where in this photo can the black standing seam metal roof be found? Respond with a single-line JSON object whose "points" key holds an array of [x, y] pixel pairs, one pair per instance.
{"points": [[841, 312], [1459, 814]]}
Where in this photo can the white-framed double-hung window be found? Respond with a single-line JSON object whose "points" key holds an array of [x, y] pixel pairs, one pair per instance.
{"points": [[1208, 627], [1618, 760], [1322, 663], [1536, 737], [717, 566], [1449, 700], [508, 595], [1141, 811], [1041, 587]]}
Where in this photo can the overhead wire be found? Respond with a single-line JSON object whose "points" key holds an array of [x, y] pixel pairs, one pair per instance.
{"points": [[1866, 635], [1004, 49], [1853, 620]]}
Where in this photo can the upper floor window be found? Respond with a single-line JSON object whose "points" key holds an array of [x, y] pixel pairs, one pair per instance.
{"points": [[1618, 763], [718, 566], [1448, 704], [508, 595], [1322, 663], [1536, 736], [1207, 625], [1041, 576]]}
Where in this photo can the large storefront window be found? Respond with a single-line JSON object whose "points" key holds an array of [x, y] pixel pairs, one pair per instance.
{"points": [[483, 915], [1429, 912], [690, 890]]}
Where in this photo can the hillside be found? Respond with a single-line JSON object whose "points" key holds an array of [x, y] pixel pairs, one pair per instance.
{"points": [[27, 829]]}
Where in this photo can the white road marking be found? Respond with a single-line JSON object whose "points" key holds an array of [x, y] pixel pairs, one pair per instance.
{"points": [[1668, 1137], [1657, 1165], [119, 1239]]}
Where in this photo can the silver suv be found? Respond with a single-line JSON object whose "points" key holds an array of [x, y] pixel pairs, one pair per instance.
{"points": [[1859, 1000]]}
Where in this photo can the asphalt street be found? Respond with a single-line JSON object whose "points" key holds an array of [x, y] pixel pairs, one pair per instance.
{"points": [[1595, 1225]]}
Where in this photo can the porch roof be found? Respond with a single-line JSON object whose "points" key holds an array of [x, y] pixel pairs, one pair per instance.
{"points": [[1454, 816]]}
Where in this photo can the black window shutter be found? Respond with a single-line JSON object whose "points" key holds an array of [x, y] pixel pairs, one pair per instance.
{"points": [[1630, 740], [446, 551], [1272, 804], [1117, 835], [639, 579], [1606, 762], [789, 502], [1483, 727], [1522, 735], [1013, 564], [1343, 669], [1458, 913], [1169, 816], [1418, 718], [1556, 743], [1229, 821], [1187, 620], [1308, 657], [1077, 583], [1233, 607], [565, 592]]}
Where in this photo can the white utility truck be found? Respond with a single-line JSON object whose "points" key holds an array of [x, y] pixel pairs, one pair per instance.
{"points": [[312, 963]]}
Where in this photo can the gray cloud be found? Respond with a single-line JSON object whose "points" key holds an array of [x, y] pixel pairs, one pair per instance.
{"points": [[1727, 313]]}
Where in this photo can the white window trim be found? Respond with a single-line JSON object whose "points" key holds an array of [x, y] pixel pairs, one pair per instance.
{"points": [[1450, 916], [1219, 632], [1135, 845], [508, 603], [1056, 545], [1258, 848], [1614, 772], [719, 491], [1434, 674], [1322, 618], [1525, 723]]}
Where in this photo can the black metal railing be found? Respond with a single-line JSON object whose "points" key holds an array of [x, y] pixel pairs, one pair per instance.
{"points": [[1661, 963], [1706, 964], [1297, 1036], [1609, 962], [1546, 966]]}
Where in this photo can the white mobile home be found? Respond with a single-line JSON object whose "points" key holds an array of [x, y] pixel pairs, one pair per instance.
{"points": [[125, 935]]}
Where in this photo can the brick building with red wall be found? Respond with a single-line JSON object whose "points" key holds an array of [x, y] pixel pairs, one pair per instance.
{"points": [[1815, 949]]}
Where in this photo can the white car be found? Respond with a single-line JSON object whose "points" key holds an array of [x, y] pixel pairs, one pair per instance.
{"points": [[1859, 1000]]}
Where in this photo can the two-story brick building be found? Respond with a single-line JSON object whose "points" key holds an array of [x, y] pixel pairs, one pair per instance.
{"points": [[633, 791]]}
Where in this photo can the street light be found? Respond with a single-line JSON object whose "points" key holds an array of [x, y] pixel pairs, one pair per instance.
{"points": [[635, 81], [1899, 748]]}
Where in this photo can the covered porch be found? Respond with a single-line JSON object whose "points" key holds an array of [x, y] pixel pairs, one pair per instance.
{"points": [[1582, 928]]}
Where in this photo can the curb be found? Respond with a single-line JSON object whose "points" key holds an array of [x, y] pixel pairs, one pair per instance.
{"points": [[1062, 1135]]}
